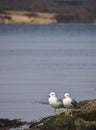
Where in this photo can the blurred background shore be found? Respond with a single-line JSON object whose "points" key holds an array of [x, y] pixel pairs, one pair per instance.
{"points": [[48, 12]]}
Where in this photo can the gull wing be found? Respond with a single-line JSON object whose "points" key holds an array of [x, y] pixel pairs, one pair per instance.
{"points": [[60, 102], [74, 103]]}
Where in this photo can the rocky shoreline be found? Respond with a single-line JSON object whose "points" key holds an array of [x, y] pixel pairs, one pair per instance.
{"points": [[77, 119]]}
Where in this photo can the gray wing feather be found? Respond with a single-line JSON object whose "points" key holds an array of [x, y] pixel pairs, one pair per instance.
{"points": [[60, 102], [74, 103]]}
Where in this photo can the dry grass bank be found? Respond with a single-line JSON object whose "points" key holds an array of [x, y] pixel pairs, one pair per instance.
{"points": [[19, 17]]}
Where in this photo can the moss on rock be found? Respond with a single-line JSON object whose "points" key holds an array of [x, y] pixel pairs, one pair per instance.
{"points": [[77, 119]]}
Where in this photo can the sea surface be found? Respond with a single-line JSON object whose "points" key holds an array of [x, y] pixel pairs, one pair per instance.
{"points": [[38, 59]]}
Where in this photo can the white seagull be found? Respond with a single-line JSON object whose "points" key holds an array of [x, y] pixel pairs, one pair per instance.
{"points": [[54, 101], [68, 102]]}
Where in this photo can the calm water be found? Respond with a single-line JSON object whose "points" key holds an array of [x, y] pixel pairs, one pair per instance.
{"points": [[37, 59]]}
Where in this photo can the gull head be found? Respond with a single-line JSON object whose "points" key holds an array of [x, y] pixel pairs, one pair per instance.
{"points": [[51, 94], [66, 95]]}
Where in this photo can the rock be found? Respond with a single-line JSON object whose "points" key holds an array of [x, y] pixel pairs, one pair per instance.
{"points": [[77, 119], [83, 118], [6, 123]]}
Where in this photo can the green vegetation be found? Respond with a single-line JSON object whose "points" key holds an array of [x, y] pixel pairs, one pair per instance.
{"points": [[38, 7]]}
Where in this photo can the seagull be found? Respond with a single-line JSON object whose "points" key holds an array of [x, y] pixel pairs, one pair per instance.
{"points": [[54, 101], [68, 102]]}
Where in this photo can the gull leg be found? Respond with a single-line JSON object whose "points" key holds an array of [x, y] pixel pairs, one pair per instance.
{"points": [[55, 112], [59, 111]]}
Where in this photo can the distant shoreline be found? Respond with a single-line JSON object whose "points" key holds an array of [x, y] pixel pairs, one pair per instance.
{"points": [[19, 17], [28, 17]]}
